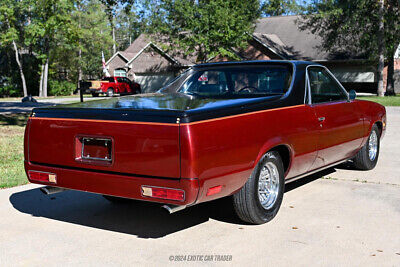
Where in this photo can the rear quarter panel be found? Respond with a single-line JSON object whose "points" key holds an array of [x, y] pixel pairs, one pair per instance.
{"points": [[224, 151]]}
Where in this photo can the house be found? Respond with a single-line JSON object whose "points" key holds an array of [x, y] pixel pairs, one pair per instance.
{"points": [[274, 38], [146, 63]]}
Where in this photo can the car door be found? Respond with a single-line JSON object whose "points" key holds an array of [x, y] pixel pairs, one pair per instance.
{"points": [[121, 85], [341, 124], [128, 85]]}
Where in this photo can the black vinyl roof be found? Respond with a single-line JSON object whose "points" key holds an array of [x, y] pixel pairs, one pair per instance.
{"points": [[255, 62]]}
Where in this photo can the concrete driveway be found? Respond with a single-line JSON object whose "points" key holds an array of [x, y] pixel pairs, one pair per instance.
{"points": [[349, 218]]}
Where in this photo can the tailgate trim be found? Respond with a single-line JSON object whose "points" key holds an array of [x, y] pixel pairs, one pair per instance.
{"points": [[106, 172], [106, 121]]}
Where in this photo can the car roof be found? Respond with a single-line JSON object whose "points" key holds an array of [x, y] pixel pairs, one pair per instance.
{"points": [[254, 62]]}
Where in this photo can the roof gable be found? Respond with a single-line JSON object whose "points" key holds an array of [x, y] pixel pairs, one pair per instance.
{"points": [[119, 54], [151, 60], [294, 42]]}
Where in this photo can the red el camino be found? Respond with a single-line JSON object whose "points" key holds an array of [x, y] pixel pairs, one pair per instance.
{"points": [[222, 129]]}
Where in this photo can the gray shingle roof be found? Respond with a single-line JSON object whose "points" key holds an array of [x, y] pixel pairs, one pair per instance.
{"points": [[301, 44], [298, 44], [143, 40]]}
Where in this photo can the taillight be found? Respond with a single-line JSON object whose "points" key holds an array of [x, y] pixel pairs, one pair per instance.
{"points": [[42, 176], [214, 190], [163, 193]]}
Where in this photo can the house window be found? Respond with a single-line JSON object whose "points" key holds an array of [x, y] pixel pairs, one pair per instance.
{"points": [[120, 72]]}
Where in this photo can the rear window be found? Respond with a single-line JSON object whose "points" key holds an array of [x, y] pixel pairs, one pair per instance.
{"points": [[239, 80]]}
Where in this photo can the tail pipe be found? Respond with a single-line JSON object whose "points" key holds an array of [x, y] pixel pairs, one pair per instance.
{"points": [[173, 208], [49, 190]]}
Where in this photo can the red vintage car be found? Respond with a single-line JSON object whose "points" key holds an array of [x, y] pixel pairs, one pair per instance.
{"points": [[223, 129], [116, 85]]}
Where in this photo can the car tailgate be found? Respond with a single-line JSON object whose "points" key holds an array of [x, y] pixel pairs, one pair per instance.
{"points": [[117, 146]]}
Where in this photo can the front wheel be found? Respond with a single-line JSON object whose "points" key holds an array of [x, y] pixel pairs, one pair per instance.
{"points": [[367, 157], [259, 200]]}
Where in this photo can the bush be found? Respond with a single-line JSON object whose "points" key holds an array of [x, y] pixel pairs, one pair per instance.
{"points": [[60, 88], [8, 88]]}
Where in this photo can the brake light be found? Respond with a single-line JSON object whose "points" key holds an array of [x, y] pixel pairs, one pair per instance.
{"points": [[42, 176], [163, 193]]}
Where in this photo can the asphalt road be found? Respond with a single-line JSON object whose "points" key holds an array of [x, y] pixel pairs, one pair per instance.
{"points": [[350, 218]]}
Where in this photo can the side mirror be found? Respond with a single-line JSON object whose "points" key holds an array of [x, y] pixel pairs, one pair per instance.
{"points": [[352, 94]]}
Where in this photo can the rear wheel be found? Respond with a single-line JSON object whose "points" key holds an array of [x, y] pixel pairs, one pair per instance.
{"points": [[260, 198], [95, 94], [367, 157], [110, 92]]}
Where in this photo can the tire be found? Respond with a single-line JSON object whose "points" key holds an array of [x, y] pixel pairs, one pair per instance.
{"points": [[110, 92], [116, 200], [95, 94], [367, 157], [247, 203]]}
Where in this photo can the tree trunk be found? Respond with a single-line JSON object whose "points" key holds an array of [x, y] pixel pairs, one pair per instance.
{"points": [[113, 37], [79, 69], [41, 80], [111, 20], [381, 49], [390, 73], [45, 77], [21, 71], [79, 52]]}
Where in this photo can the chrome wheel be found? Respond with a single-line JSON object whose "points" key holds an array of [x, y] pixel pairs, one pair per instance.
{"points": [[373, 146], [268, 185]]}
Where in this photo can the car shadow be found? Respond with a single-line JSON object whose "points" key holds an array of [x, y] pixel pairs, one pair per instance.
{"points": [[143, 219], [308, 179]]}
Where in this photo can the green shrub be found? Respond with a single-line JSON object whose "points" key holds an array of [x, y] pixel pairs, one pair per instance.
{"points": [[8, 88], [59, 88]]}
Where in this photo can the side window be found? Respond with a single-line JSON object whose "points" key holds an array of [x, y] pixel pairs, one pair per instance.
{"points": [[120, 80], [324, 87], [209, 82]]}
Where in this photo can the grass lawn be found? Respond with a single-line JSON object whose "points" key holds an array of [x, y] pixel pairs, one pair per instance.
{"points": [[386, 101], [12, 150]]}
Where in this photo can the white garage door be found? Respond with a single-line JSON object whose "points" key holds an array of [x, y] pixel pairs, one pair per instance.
{"points": [[152, 82]]}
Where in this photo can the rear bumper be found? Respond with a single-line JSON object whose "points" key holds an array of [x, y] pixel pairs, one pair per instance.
{"points": [[116, 185]]}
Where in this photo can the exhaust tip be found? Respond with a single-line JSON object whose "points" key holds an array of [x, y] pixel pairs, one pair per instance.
{"points": [[173, 208], [49, 190]]}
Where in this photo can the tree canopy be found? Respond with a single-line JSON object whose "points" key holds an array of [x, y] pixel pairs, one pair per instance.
{"points": [[356, 27], [54, 43], [207, 28]]}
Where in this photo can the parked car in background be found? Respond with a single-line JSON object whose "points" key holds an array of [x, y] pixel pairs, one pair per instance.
{"points": [[239, 129], [117, 85], [110, 86]]}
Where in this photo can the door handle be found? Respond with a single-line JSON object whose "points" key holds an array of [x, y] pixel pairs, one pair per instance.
{"points": [[321, 119]]}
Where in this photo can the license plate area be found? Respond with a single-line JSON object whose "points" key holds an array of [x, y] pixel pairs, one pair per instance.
{"points": [[95, 150]]}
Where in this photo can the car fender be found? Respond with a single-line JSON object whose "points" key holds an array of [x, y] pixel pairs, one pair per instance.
{"points": [[372, 113], [271, 144]]}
